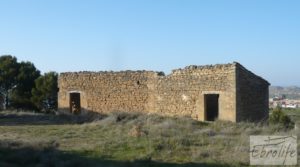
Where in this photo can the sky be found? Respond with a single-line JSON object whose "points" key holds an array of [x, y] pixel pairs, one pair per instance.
{"points": [[159, 35]]}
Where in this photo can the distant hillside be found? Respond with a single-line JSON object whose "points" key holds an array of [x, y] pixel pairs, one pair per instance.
{"points": [[291, 92]]}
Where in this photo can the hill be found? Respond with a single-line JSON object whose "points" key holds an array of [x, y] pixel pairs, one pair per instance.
{"points": [[291, 92]]}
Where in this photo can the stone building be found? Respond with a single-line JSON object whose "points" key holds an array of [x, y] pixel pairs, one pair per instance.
{"points": [[225, 91]]}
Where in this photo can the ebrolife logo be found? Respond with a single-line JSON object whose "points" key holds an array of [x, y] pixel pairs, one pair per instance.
{"points": [[273, 150]]}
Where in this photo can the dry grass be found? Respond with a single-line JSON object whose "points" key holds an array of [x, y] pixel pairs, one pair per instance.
{"points": [[122, 139]]}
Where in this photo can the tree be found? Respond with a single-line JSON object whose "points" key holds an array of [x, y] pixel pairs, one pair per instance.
{"points": [[44, 94], [8, 73], [280, 118], [21, 94]]}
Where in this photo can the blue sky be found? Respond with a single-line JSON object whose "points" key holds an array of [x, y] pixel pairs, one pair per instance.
{"points": [[160, 35]]}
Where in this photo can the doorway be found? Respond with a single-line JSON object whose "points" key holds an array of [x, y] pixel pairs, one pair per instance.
{"points": [[75, 103], [211, 107]]}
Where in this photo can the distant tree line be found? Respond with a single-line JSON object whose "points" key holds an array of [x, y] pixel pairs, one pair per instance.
{"points": [[23, 87]]}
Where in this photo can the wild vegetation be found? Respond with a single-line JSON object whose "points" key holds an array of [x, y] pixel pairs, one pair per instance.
{"points": [[278, 116], [123, 139], [23, 87]]}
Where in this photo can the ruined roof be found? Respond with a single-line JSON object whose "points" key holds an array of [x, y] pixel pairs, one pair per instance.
{"points": [[174, 72], [218, 66], [113, 72], [191, 67], [210, 66], [205, 67]]}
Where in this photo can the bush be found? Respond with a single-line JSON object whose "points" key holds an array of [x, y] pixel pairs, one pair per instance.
{"points": [[279, 117]]}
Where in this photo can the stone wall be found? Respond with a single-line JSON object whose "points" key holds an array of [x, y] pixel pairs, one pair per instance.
{"points": [[106, 91], [252, 96], [181, 93]]}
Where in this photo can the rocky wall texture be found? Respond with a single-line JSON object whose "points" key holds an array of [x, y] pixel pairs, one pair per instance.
{"points": [[106, 91], [181, 93]]}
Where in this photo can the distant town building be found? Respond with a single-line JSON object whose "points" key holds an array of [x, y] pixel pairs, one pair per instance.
{"points": [[284, 103]]}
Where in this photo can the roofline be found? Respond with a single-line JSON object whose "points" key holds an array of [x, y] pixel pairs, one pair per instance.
{"points": [[160, 73], [238, 65]]}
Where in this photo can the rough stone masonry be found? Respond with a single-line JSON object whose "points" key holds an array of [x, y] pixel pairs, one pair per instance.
{"points": [[224, 91]]}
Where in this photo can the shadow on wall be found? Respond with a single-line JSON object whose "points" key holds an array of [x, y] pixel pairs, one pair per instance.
{"points": [[21, 154]]}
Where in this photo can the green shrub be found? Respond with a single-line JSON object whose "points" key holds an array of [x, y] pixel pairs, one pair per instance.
{"points": [[279, 117]]}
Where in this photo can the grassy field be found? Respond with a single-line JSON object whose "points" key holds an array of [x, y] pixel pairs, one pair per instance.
{"points": [[122, 139]]}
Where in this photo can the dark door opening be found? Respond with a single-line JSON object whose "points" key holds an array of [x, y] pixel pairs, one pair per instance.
{"points": [[211, 107], [75, 103]]}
